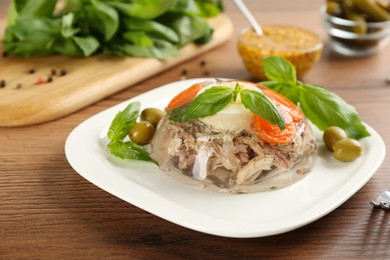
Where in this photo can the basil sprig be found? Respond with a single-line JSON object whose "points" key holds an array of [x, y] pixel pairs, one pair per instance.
{"points": [[216, 98], [261, 105], [136, 28], [119, 128], [321, 106]]}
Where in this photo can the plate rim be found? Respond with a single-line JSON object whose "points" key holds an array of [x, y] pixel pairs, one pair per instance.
{"points": [[215, 226]]}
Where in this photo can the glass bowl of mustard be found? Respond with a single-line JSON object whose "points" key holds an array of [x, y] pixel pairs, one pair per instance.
{"points": [[356, 28], [301, 47]]}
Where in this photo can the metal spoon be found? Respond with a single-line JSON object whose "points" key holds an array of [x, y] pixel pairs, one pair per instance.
{"points": [[248, 15]]}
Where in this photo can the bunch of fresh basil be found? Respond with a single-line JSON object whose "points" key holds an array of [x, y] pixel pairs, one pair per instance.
{"points": [[321, 106], [139, 28]]}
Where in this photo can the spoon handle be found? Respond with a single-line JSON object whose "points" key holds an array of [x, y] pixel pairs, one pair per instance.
{"points": [[248, 15]]}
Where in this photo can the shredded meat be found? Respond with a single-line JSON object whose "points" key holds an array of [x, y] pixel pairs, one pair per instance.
{"points": [[227, 159]]}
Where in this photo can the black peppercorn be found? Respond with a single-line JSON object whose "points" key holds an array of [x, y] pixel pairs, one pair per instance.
{"points": [[63, 72]]}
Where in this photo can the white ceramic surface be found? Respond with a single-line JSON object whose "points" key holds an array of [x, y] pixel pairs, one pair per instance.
{"points": [[142, 184]]}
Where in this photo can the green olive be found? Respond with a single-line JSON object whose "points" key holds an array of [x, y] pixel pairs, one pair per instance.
{"points": [[334, 8], [141, 132], [347, 150], [153, 115], [372, 10], [332, 135]]}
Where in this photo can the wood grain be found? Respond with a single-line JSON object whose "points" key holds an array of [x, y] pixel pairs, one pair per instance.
{"points": [[29, 99], [48, 211]]}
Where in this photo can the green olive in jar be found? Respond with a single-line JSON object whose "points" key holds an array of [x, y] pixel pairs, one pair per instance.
{"points": [[347, 150], [334, 8], [332, 135], [153, 115], [142, 132]]}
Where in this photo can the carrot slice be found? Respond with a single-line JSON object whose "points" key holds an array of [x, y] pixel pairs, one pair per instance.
{"points": [[185, 96], [271, 133]]}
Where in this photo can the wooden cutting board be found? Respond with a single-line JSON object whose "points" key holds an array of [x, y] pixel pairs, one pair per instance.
{"points": [[25, 101]]}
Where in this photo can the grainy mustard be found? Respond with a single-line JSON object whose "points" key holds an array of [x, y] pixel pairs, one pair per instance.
{"points": [[301, 47]]}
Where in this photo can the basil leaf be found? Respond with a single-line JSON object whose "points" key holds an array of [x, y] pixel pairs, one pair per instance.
{"points": [[87, 44], [188, 28], [103, 18], [119, 129], [208, 8], [325, 109], [289, 91], [37, 8], [160, 50], [31, 36], [236, 91], [177, 113], [206, 37], [151, 28], [129, 150], [261, 105], [67, 29], [280, 70], [146, 28], [138, 38], [208, 103], [13, 12], [145, 9], [202, 8], [66, 46], [123, 121]]}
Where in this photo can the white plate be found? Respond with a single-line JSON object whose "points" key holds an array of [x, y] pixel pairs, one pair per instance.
{"points": [[232, 215]]}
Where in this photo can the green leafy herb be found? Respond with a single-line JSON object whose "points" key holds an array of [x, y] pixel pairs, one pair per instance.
{"points": [[208, 103], [236, 91], [202, 8], [129, 150], [188, 28], [88, 45], [261, 105], [150, 27], [321, 106], [123, 121], [67, 26], [277, 69], [216, 98], [147, 28], [119, 129], [324, 109], [103, 18], [161, 49], [36, 8], [146, 9]]}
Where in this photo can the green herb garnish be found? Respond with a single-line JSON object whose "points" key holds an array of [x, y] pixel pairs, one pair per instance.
{"points": [[321, 106], [263, 106], [147, 28], [216, 98], [118, 131]]}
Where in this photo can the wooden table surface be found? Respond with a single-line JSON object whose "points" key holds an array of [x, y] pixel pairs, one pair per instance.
{"points": [[47, 210]]}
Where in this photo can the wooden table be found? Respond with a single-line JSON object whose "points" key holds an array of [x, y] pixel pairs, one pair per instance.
{"points": [[47, 210]]}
